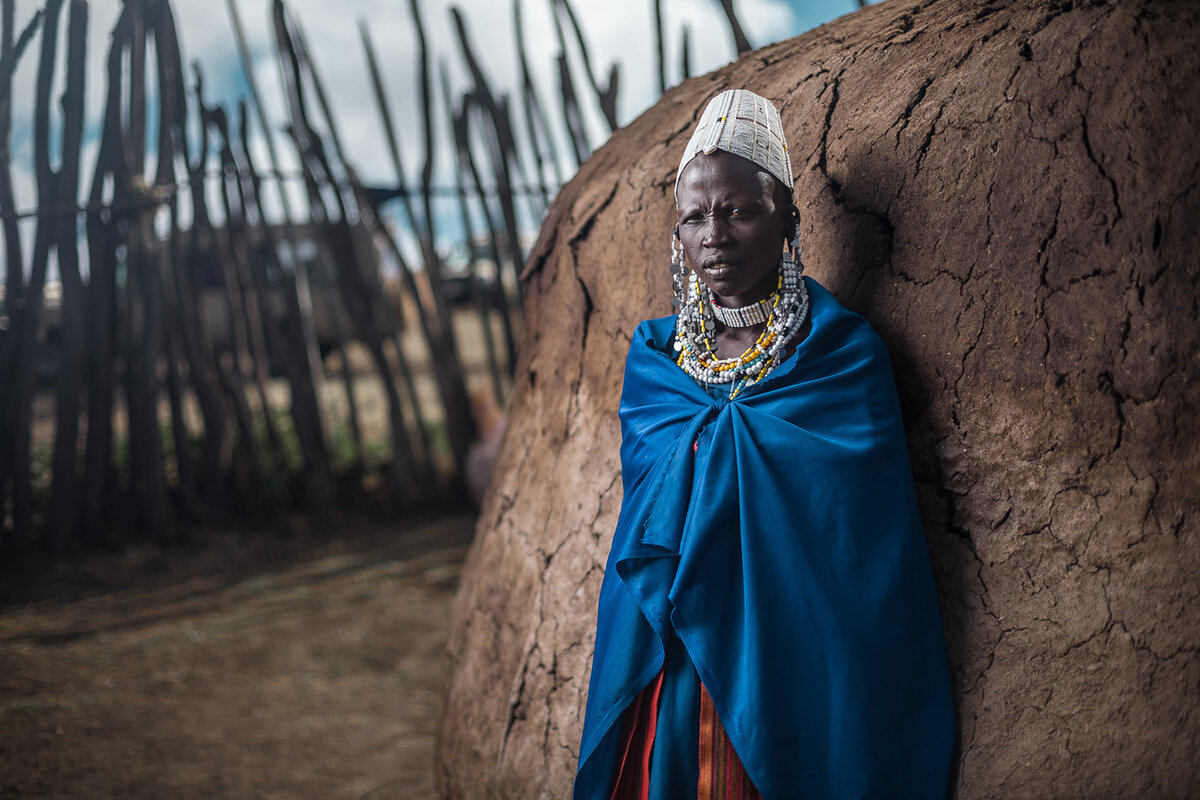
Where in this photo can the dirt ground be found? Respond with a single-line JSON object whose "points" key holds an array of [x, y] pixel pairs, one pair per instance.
{"points": [[236, 670]]}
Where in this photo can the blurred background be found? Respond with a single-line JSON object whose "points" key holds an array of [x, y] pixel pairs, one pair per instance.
{"points": [[259, 313]]}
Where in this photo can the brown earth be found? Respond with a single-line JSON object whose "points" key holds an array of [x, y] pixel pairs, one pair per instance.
{"points": [[1009, 192], [250, 666]]}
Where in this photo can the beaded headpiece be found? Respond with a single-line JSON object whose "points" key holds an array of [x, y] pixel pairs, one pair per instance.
{"points": [[740, 122], [747, 125]]}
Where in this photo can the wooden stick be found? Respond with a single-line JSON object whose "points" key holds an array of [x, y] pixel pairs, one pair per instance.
{"points": [[607, 94], [315, 170], [740, 43], [283, 336], [143, 263], [103, 239], [541, 143], [246, 300], [25, 318], [481, 300], [63, 513], [426, 120], [301, 285], [497, 135], [685, 55], [394, 149], [11, 49], [358, 278], [660, 62]]}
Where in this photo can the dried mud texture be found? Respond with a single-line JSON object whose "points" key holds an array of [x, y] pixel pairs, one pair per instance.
{"points": [[1009, 192]]}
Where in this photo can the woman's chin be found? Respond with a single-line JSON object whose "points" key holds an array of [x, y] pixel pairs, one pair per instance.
{"points": [[725, 285], [734, 295], [731, 287]]}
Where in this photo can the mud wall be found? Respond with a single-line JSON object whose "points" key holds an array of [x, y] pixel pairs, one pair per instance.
{"points": [[1009, 191]]}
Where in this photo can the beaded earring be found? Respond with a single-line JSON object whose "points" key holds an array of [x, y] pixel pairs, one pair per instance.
{"points": [[794, 242], [678, 271]]}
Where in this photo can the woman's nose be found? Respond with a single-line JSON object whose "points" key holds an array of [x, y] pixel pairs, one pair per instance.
{"points": [[715, 231]]}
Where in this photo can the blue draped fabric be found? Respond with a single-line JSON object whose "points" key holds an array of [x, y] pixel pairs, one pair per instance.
{"points": [[777, 536]]}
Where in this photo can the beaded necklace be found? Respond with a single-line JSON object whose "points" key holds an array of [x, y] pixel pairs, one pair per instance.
{"points": [[696, 326], [744, 317]]}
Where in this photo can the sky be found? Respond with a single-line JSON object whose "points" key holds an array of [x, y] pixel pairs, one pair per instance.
{"points": [[617, 31]]}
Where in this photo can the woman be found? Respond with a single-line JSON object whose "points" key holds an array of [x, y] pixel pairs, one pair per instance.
{"points": [[767, 624]]}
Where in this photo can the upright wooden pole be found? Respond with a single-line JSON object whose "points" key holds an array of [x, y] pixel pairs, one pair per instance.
{"points": [[483, 301], [64, 509], [11, 49], [660, 57], [284, 338], [104, 236], [299, 284], [392, 141], [26, 317], [497, 135], [606, 95], [740, 43], [426, 108], [143, 294]]}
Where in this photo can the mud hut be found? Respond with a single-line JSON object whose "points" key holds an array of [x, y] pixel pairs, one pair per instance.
{"points": [[1008, 191]]}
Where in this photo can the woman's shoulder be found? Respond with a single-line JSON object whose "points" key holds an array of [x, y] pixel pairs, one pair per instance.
{"points": [[655, 333]]}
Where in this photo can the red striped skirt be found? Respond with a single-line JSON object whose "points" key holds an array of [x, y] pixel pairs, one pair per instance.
{"points": [[722, 776]]}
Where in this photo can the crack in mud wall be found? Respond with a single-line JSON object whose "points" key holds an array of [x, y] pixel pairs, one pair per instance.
{"points": [[1009, 192]]}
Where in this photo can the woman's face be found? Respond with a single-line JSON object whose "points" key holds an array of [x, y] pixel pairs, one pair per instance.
{"points": [[732, 221]]}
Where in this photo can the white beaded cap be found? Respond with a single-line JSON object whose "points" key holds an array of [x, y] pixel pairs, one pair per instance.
{"points": [[740, 122]]}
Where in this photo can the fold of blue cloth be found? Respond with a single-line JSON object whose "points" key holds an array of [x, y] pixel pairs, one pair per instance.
{"points": [[777, 536]]}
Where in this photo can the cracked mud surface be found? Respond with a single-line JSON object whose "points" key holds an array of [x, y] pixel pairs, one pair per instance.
{"points": [[1009, 192]]}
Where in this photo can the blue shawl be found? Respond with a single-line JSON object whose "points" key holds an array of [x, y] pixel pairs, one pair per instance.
{"points": [[777, 536]]}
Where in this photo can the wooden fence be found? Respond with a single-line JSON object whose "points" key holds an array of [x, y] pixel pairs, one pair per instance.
{"points": [[174, 349]]}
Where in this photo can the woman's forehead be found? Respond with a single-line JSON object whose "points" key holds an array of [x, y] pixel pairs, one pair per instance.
{"points": [[722, 172]]}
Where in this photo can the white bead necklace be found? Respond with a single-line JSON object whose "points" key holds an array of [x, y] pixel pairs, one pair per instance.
{"points": [[744, 317]]}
